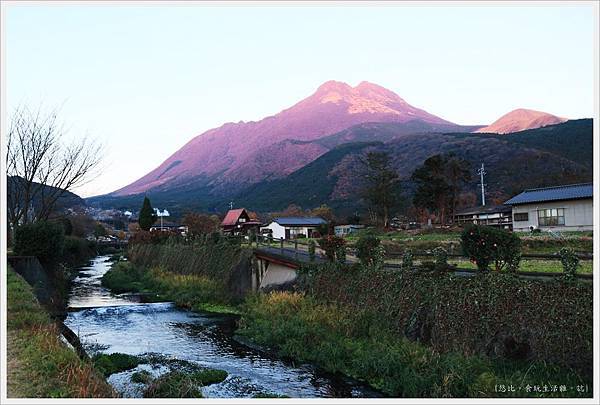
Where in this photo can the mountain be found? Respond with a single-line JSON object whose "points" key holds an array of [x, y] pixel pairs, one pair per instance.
{"points": [[65, 201], [519, 120], [237, 154], [557, 154]]}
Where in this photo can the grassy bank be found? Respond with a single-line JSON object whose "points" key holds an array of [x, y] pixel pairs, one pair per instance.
{"points": [[191, 291], [361, 344], [40, 365]]}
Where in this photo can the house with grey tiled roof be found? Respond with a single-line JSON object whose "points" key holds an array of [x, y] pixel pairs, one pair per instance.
{"points": [[558, 208]]}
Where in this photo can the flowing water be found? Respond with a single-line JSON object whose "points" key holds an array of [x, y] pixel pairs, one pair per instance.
{"points": [[110, 323]]}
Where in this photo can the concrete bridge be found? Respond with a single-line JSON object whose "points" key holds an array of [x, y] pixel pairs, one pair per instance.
{"points": [[278, 261]]}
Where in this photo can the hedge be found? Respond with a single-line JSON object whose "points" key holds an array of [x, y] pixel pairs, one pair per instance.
{"points": [[493, 313]]}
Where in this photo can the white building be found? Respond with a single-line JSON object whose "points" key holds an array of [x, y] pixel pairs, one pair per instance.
{"points": [[291, 227], [560, 208]]}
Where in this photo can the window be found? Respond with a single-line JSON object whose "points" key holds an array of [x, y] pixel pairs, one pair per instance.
{"points": [[551, 217], [521, 216]]}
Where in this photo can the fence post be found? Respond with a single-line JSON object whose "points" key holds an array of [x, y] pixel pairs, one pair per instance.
{"points": [[281, 244], [296, 248]]}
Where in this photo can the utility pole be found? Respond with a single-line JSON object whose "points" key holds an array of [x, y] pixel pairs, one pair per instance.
{"points": [[481, 172]]}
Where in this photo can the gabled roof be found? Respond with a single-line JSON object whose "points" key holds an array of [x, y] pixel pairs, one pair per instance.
{"points": [[486, 209], [299, 221], [232, 216], [557, 193]]}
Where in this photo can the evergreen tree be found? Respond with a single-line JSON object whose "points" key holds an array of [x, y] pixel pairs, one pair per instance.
{"points": [[147, 215], [381, 179], [439, 181]]}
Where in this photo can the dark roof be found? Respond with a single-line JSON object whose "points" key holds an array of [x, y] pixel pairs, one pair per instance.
{"points": [[299, 221], [557, 193], [485, 209]]}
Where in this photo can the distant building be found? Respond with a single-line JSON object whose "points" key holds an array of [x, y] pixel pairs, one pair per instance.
{"points": [[345, 230], [238, 222], [293, 227], [564, 208], [492, 215], [169, 227]]}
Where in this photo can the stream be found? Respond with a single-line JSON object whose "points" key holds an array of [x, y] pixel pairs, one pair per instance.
{"points": [[108, 323]]}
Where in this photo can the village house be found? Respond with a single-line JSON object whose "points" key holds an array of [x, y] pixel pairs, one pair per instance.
{"points": [[559, 208], [238, 222], [293, 227], [345, 230], [492, 215]]}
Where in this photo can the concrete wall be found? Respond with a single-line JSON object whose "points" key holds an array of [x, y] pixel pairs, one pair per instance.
{"points": [[579, 215], [276, 274]]}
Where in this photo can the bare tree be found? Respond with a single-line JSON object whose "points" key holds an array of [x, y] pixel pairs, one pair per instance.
{"points": [[41, 167]]}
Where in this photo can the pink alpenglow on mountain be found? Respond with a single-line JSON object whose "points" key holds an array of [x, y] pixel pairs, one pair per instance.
{"points": [[520, 120], [247, 152]]}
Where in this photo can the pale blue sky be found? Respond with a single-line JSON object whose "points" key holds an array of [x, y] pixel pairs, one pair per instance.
{"points": [[146, 79]]}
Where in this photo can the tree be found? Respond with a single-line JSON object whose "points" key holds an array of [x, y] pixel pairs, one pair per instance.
{"points": [[41, 168], [323, 211], [439, 181], [147, 216], [99, 231], [200, 224], [381, 179]]}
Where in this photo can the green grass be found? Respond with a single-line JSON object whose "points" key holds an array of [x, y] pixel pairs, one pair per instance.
{"points": [[542, 266], [40, 365], [112, 363], [141, 377], [196, 292], [178, 384], [363, 346]]}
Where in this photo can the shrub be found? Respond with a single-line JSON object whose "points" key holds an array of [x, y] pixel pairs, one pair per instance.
{"points": [[311, 250], [570, 263], [77, 250], [331, 244], [407, 260], [486, 245], [340, 254], [441, 258], [45, 240], [154, 237], [368, 250]]}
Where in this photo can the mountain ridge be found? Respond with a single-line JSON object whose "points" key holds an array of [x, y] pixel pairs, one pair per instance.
{"points": [[234, 150]]}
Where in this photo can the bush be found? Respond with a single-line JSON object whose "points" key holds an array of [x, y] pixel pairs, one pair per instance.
{"points": [[45, 240], [407, 260], [154, 237], [570, 263], [77, 250], [311, 250], [368, 250], [441, 258], [331, 245], [486, 245]]}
